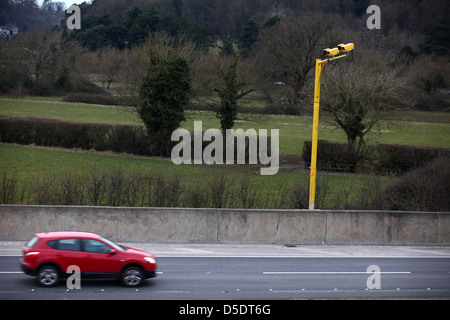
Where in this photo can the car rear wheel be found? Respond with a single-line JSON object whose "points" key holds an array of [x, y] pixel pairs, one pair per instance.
{"points": [[48, 276], [132, 277]]}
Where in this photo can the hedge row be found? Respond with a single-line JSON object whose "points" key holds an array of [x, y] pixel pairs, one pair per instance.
{"points": [[401, 159], [380, 159], [332, 156], [71, 135], [93, 98], [90, 136], [106, 99]]}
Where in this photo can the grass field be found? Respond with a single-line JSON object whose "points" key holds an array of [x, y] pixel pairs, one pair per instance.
{"points": [[414, 128], [31, 162]]}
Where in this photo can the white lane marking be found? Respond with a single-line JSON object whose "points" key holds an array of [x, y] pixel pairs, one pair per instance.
{"points": [[329, 272]]}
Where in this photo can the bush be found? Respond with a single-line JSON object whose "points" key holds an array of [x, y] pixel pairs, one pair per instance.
{"points": [[332, 156], [382, 159], [424, 189], [92, 98], [88, 87], [9, 190], [395, 159]]}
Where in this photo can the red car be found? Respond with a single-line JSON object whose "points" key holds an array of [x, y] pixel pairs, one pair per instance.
{"points": [[48, 256]]}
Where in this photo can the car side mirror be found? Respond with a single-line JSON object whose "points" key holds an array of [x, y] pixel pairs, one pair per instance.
{"points": [[112, 251]]}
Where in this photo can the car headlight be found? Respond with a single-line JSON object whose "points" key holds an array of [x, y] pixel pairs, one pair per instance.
{"points": [[150, 259]]}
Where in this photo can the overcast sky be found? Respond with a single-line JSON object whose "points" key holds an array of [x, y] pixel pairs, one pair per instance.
{"points": [[67, 2]]}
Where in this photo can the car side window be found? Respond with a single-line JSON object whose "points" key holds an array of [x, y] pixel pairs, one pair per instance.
{"points": [[66, 244], [95, 246], [32, 242], [53, 244]]}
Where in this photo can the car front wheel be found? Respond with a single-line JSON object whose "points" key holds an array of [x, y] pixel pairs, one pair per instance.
{"points": [[48, 276], [132, 277]]}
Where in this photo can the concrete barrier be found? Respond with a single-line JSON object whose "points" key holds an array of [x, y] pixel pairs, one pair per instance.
{"points": [[180, 225]]}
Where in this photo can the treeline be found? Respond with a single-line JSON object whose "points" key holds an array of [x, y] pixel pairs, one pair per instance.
{"points": [[211, 20], [228, 18], [122, 24], [270, 37], [100, 31], [27, 13]]}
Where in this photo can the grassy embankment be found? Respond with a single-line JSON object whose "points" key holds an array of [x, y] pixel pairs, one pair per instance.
{"points": [[31, 162]]}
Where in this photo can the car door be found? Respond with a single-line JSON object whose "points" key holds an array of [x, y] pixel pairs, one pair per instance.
{"points": [[99, 260], [68, 253]]}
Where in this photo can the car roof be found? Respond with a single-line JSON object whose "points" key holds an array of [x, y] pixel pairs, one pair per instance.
{"points": [[66, 234]]}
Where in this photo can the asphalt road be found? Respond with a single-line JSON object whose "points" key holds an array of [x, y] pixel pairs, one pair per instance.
{"points": [[252, 278], [258, 272]]}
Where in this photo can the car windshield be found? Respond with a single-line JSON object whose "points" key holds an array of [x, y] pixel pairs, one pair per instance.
{"points": [[114, 245]]}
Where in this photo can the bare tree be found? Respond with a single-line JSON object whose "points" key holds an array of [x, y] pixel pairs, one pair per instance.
{"points": [[287, 51], [356, 97], [136, 62], [111, 61]]}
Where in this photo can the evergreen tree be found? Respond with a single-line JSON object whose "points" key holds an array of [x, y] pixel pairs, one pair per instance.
{"points": [[178, 7], [227, 47], [437, 40], [249, 37], [229, 94], [271, 22], [163, 95], [140, 24]]}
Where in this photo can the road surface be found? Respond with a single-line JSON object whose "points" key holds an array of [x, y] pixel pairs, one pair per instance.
{"points": [[258, 272]]}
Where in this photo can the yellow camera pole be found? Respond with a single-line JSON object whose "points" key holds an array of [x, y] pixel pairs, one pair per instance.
{"points": [[320, 64]]}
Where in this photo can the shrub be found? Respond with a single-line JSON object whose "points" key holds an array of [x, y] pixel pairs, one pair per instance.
{"points": [[395, 159], [92, 98], [332, 156], [423, 189], [382, 159], [88, 87], [9, 189]]}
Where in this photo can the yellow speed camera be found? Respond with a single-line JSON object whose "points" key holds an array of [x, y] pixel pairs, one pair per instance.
{"points": [[346, 47], [331, 52]]}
